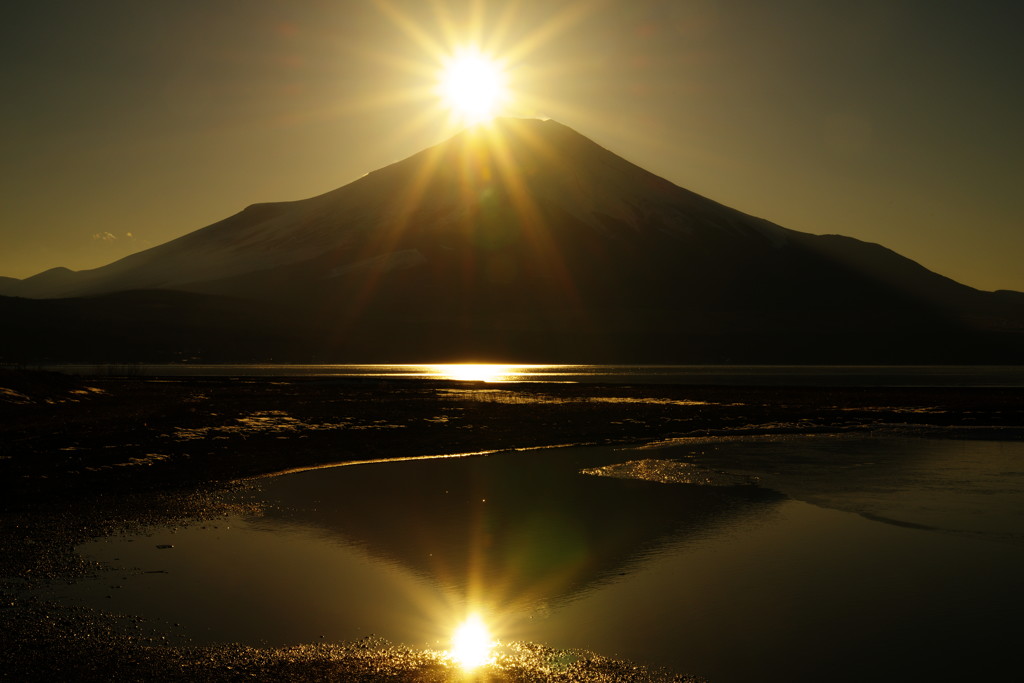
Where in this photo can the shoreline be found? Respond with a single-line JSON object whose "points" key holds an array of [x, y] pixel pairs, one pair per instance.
{"points": [[67, 435], [87, 456]]}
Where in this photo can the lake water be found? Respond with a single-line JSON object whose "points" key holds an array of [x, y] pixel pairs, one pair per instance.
{"points": [[728, 375], [758, 559]]}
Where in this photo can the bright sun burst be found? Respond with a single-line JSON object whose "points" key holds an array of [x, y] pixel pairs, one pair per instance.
{"points": [[472, 644], [472, 85], [470, 62]]}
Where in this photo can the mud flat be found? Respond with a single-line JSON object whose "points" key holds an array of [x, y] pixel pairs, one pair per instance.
{"points": [[62, 436]]}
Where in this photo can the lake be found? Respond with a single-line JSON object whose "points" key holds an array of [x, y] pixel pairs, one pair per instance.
{"points": [[769, 559], [723, 375]]}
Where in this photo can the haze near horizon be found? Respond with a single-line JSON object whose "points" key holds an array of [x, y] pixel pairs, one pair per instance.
{"points": [[890, 122]]}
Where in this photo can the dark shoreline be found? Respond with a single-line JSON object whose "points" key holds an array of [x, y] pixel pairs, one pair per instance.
{"points": [[85, 456], [65, 436]]}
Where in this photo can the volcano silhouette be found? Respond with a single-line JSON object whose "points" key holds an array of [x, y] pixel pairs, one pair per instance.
{"points": [[520, 240]]}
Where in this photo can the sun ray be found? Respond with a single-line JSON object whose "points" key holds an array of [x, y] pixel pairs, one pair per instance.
{"points": [[532, 222], [507, 36], [504, 32], [447, 23], [499, 29], [476, 22], [549, 30], [420, 35]]}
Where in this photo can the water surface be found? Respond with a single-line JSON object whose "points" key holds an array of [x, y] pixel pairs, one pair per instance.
{"points": [[798, 559], [721, 375]]}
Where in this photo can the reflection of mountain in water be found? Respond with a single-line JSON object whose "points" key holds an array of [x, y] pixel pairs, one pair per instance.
{"points": [[507, 528]]}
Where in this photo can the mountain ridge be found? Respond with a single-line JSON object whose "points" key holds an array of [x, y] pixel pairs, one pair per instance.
{"points": [[61, 281], [527, 240]]}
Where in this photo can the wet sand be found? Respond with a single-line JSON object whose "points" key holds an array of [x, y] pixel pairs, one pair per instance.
{"points": [[86, 456]]}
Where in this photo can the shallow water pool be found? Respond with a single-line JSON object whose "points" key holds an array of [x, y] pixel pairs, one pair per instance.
{"points": [[811, 558]]}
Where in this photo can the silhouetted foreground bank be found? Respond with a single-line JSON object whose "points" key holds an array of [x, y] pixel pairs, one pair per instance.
{"points": [[82, 457]]}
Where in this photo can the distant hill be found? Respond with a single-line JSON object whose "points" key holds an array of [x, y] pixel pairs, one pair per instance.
{"points": [[523, 241]]}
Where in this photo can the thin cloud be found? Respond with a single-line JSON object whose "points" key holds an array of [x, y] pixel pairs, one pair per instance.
{"points": [[111, 237]]}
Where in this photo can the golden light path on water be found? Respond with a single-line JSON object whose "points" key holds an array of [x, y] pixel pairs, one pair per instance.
{"points": [[475, 372]]}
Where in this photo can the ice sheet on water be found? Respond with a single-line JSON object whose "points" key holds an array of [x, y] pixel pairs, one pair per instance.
{"points": [[670, 472], [969, 487]]}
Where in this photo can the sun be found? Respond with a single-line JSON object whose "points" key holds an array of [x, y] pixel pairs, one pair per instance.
{"points": [[472, 85], [459, 65]]}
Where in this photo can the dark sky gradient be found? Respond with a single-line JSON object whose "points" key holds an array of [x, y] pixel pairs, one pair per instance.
{"points": [[129, 123]]}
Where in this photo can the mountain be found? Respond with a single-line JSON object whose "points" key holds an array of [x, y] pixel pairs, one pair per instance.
{"points": [[525, 240]]}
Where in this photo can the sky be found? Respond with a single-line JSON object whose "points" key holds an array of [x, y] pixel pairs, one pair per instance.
{"points": [[127, 124]]}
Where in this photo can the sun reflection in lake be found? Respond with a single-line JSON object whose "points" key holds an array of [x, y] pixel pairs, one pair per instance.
{"points": [[472, 644], [475, 372]]}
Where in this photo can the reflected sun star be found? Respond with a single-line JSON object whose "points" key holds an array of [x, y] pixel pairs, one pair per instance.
{"points": [[472, 644]]}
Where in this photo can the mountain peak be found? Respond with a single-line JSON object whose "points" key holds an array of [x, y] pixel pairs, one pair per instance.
{"points": [[524, 238], [532, 185]]}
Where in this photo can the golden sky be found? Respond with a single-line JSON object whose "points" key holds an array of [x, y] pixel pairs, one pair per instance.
{"points": [[130, 123]]}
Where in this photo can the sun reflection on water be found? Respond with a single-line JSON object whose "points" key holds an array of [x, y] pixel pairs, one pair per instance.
{"points": [[476, 372], [472, 644]]}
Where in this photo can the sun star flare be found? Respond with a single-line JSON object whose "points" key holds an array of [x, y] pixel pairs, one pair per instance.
{"points": [[472, 85]]}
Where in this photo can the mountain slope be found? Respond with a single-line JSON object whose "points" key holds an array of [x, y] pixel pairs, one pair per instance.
{"points": [[442, 193], [527, 240]]}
